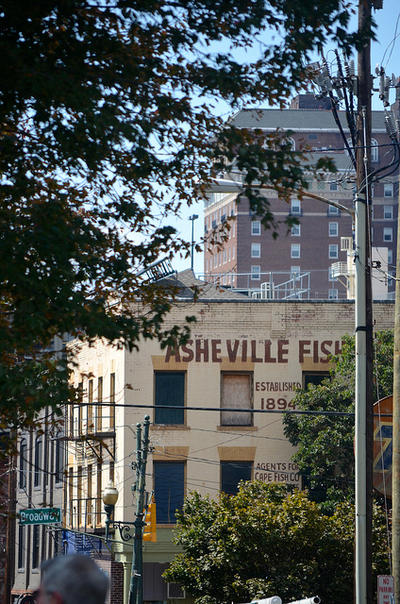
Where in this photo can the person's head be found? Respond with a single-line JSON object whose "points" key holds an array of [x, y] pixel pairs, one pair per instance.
{"points": [[72, 580]]}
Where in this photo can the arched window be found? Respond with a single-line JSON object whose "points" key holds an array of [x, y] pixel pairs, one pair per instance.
{"points": [[23, 449], [38, 461], [374, 151]]}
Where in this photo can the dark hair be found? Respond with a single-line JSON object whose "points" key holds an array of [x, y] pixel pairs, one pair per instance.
{"points": [[77, 579]]}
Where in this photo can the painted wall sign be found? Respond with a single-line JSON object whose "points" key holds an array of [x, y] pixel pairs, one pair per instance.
{"points": [[254, 351], [277, 386], [277, 471]]}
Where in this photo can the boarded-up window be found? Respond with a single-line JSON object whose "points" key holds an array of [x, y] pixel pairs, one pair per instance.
{"points": [[236, 394]]}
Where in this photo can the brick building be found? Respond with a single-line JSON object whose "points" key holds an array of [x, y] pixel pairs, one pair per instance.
{"points": [[244, 354], [251, 256]]}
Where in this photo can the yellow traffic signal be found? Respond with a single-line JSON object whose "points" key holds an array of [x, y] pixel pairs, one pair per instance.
{"points": [[150, 529]]}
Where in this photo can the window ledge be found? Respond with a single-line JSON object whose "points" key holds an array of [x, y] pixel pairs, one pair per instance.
{"points": [[236, 428], [169, 525], [169, 427]]}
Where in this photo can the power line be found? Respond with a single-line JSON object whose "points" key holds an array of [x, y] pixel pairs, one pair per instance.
{"points": [[231, 410]]}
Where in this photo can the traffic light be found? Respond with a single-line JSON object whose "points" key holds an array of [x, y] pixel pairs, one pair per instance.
{"points": [[150, 529]]}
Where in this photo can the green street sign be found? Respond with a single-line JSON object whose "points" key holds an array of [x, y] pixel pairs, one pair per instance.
{"points": [[40, 516]]}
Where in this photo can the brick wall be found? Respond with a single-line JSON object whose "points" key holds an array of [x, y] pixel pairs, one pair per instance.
{"points": [[115, 573]]}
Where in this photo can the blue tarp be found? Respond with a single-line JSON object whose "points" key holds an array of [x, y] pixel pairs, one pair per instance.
{"points": [[78, 543]]}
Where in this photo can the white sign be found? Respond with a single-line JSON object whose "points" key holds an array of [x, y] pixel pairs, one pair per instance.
{"points": [[385, 591]]}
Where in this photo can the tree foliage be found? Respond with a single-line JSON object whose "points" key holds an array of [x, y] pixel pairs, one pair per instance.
{"points": [[265, 541], [325, 444], [106, 128]]}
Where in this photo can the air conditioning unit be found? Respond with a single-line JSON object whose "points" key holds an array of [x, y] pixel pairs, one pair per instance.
{"points": [[346, 244], [175, 591]]}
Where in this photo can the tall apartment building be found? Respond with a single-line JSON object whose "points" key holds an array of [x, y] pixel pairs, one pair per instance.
{"points": [[251, 256]]}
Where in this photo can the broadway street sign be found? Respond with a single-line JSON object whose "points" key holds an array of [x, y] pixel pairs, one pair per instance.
{"points": [[40, 516]]}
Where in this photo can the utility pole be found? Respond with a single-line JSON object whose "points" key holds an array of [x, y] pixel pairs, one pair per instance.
{"points": [[396, 425], [364, 342], [142, 448]]}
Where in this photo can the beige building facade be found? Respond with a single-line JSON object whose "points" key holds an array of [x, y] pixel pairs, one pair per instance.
{"points": [[223, 395]]}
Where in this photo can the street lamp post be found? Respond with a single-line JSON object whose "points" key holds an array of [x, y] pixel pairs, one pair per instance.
{"points": [[193, 217], [110, 497]]}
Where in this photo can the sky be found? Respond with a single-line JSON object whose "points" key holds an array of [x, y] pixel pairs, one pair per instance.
{"points": [[386, 49]]}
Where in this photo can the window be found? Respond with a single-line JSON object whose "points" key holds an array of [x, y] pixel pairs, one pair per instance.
{"points": [[59, 461], [99, 501], [331, 275], [89, 517], [390, 256], [256, 250], [295, 207], [333, 211], [112, 401], [99, 408], [321, 185], [21, 547], [169, 489], [90, 425], [35, 545], [333, 186], [37, 472], [388, 189], [169, 390], [295, 250], [333, 294], [333, 250], [314, 377], [23, 451], [256, 227], [374, 151], [255, 272], [295, 230], [79, 496], [294, 272], [236, 389], [232, 472], [387, 234], [388, 212], [333, 229], [71, 496], [80, 409]]}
